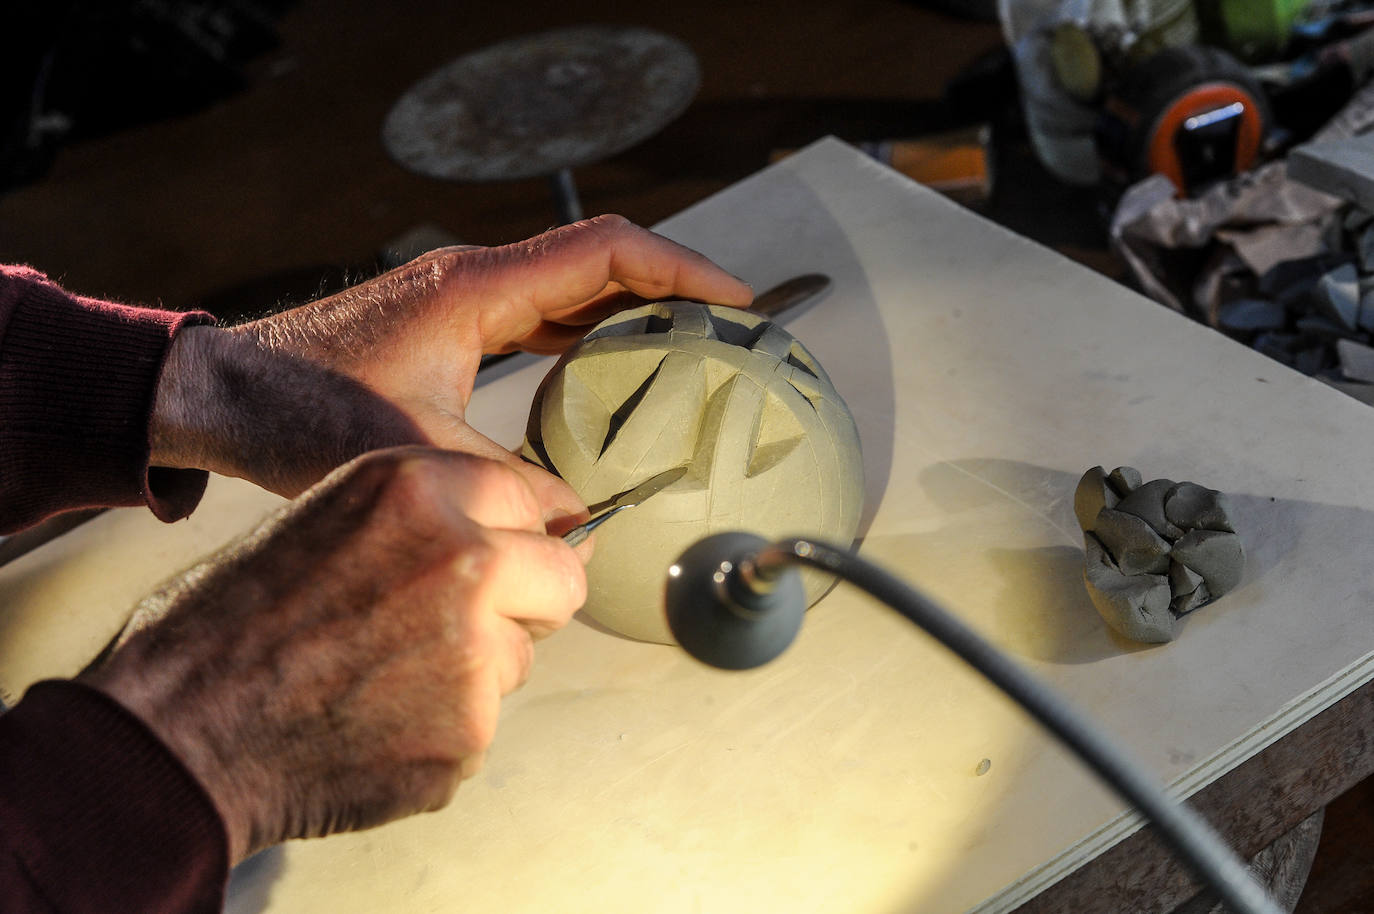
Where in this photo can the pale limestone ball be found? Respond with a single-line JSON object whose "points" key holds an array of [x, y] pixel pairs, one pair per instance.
{"points": [[770, 447]]}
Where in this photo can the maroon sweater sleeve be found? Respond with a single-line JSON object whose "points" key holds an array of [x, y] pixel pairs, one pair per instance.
{"points": [[77, 382], [96, 815]]}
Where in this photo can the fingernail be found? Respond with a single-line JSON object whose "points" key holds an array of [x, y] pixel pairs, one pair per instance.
{"points": [[558, 521], [471, 766]]}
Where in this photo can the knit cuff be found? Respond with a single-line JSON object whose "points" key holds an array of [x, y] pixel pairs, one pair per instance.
{"points": [[78, 378], [102, 815]]}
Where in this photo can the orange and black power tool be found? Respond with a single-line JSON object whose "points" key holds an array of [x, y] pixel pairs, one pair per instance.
{"points": [[1194, 114]]}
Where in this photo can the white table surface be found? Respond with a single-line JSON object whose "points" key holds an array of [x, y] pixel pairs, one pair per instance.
{"points": [[986, 374]]}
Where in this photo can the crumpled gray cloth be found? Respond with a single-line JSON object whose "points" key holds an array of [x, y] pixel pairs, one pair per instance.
{"points": [[1250, 223]]}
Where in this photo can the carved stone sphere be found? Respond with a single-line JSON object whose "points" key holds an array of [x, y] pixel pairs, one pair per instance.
{"points": [[769, 445]]}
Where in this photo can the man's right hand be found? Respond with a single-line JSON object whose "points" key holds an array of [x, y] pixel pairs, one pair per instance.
{"points": [[343, 665]]}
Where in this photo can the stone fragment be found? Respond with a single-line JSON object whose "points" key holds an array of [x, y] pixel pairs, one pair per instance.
{"points": [[1339, 296], [1258, 248], [1324, 329], [1092, 495], [1192, 506], [1247, 315], [1124, 479], [1311, 360], [1365, 248], [1214, 554], [1289, 277], [1331, 235], [1299, 298], [1343, 168], [1365, 320], [1147, 503], [1135, 606], [1132, 544], [1278, 346], [1357, 389], [1357, 361], [1356, 220]]}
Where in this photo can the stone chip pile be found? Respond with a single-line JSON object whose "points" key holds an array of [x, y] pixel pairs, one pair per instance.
{"points": [[1316, 313], [1154, 551]]}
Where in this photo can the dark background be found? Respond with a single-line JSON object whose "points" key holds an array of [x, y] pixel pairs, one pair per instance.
{"points": [[289, 175]]}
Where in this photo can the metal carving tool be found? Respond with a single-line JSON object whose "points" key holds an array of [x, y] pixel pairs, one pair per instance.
{"points": [[628, 499], [790, 293]]}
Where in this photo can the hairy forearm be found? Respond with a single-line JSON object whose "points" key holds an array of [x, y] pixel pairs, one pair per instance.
{"points": [[229, 404]]}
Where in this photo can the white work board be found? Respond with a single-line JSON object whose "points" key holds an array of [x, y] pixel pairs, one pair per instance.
{"points": [[866, 770]]}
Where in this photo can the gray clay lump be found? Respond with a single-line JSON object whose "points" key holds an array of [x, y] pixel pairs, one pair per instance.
{"points": [[1154, 551]]}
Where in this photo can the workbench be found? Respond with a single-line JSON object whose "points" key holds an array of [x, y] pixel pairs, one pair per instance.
{"points": [[867, 770]]}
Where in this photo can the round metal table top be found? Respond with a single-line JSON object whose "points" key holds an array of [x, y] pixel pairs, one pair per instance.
{"points": [[537, 104]]}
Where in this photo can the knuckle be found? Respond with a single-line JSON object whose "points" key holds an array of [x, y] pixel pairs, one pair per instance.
{"points": [[451, 254], [414, 498], [412, 487], [424, 275], [440, 262], [438, 269], [508, 492], [610, 229], [613, 223], [363, 490], [365, 471], [476, 564]]}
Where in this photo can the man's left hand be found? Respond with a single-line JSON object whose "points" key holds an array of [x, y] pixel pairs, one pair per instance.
{"points": [[283, 400]]}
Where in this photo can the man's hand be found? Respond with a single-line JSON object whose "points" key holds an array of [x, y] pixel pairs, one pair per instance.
{"points": [[283, 400], [343, 665]]}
